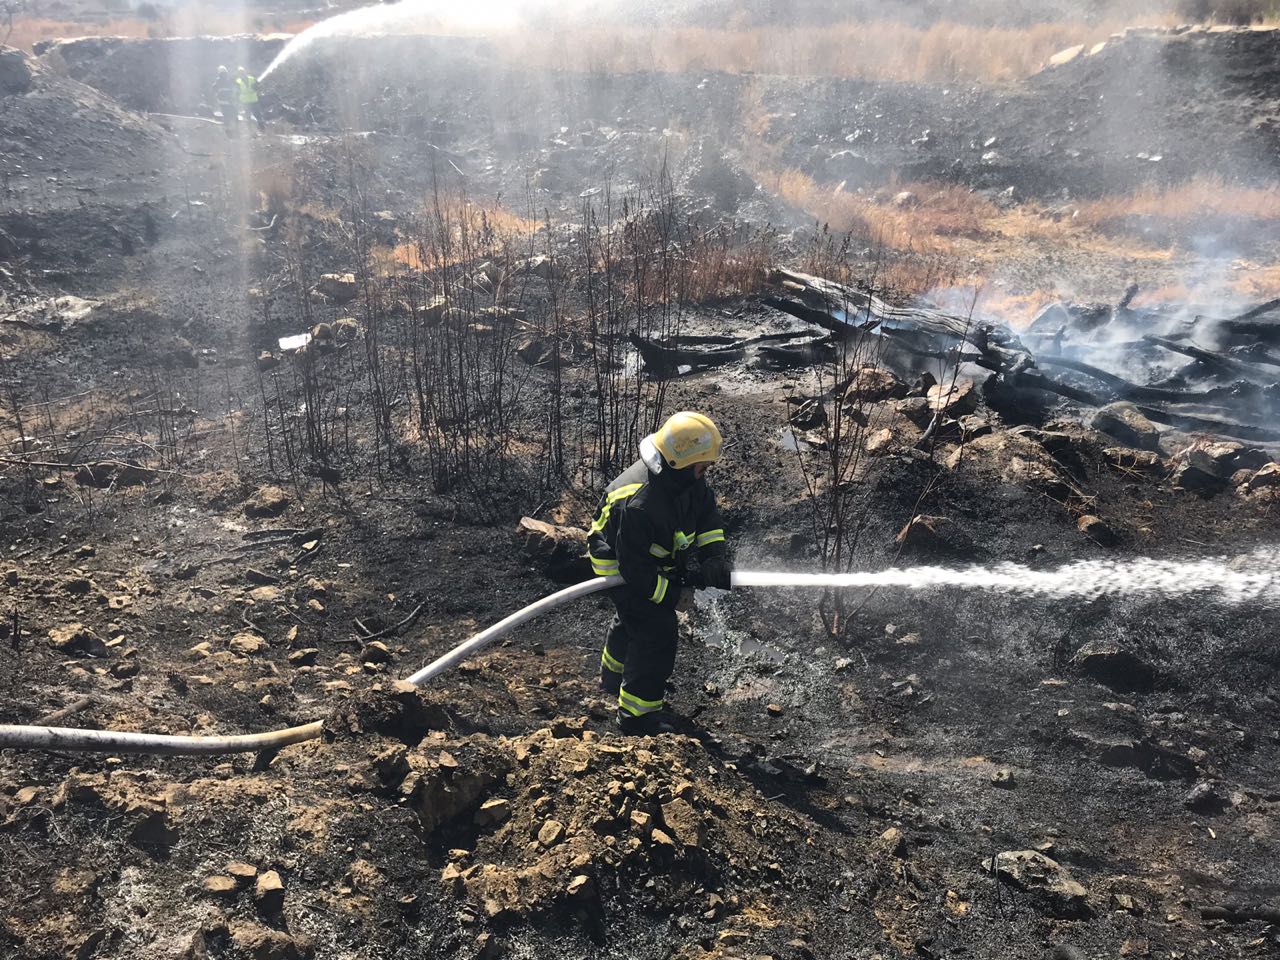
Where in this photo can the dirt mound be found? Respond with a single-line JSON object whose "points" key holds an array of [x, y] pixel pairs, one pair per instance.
{"points": [[55, 130]]}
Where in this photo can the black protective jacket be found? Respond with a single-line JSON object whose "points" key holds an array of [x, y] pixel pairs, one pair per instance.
{"points": [[646, 525]]}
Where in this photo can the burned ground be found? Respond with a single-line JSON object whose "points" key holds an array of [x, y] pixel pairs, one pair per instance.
{"points": [[824, 795]]}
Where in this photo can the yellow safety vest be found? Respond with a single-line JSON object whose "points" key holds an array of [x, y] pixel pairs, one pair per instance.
{"points": [[248, 89]]}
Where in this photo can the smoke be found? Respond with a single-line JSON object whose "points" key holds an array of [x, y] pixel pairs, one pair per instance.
{"points": [[1250, 577]]}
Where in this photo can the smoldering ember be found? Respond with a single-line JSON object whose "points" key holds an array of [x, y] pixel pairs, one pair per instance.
{"points": [[908, 372]]}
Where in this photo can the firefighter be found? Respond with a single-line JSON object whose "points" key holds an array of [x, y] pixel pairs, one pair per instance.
{"points": [[224, 94], [657, 513], [247, 86]]}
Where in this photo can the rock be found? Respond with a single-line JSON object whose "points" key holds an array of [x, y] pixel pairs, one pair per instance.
{"points": [[266, 594], [267, 361], [1222, 458], [1266, 477], [1048, 885], [1114, 667], [375, 651], [562, 549], [1004, 779], [905, 198], [1206, 797], [269, 501], [268, 892], [108, 473], [15, 72], [878, 442], [242, 873], [581, 887], [551, 833], [1016, 458], [890, 845], [875, 385], [219, 886], [933, 535], [78, 640], [257, 942], [1128, 460], [305, 657], [915, 409], [1097, 530], [1192, 479], [493, 812], [247, 644], [1124, 422], [953, 399], [338, 287], [488, 947], [774, 709]]}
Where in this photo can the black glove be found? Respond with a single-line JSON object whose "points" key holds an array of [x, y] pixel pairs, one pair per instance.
{"points": [[716, 573]]}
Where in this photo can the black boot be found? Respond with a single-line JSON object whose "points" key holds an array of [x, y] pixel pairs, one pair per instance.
{"points": [[645, 725]]}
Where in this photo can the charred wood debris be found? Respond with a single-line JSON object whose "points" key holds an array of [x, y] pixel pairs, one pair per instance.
{"points": [[1202, 374]]}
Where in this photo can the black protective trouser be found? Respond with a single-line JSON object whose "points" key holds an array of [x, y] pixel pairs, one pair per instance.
{"points": [[253, 111], [639, 652]]}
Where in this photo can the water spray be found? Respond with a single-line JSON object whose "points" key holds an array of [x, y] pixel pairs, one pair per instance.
{"points": [[1248, 578]]}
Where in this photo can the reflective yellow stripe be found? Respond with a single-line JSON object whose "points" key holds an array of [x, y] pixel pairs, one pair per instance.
{"points": [[603, 568], [658, 551], [711, 536], [620, 494], [610, 663], [635, 706], [681, 541], [660, 589]]}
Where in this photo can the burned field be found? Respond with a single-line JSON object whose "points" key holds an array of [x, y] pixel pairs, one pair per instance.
{"points": [[286, 417]]}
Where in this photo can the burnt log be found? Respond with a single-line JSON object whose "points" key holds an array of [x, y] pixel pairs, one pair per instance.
{"points": [[1218, 361], [662, 359]]}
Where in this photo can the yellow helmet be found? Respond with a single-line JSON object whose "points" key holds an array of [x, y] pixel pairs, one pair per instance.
{"points": [[685, 439]]}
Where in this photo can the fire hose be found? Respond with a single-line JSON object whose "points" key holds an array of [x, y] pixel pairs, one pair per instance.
{"points": [[16, 737]]}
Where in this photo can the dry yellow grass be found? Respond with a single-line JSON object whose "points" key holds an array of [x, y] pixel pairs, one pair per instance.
{"points": [[873, 50], [1203, 198]]}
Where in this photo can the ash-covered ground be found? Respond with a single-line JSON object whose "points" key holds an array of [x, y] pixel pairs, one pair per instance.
{"points": [[205, 534]]}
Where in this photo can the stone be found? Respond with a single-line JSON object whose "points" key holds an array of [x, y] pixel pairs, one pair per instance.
{"points": [[915, 409], [375, 651], [268, 892], [242, 873], [661, 838], [1063, 57], [1097, 530], [493, 812], [932, 534], [15, 72], [581, 887], [220, 886], [878, 442], [1206, 797], [641, 820], [1222, 458], [269, 501], [1124, 422], [77, 640], [266, 594], [875, 385], [254, 941], [1004, 779], [488, 947], [953, 399], [247, 644], [267, 361], [890, 845], [338, 287], [1192, 479], [305, 657], [1016, 458], [1114, 667], [1267, 476], [774, 709], [551, 833], [562, 549], [1049, 885]]}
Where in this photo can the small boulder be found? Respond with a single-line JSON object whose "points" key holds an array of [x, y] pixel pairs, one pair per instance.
{"points": [[1129, 460], [247, 644], [1124, 422], [77, 640], [493, 812], [15, 72], [1004, 779], [1097, 530], [875, 384], [551, 833], [1193, 479], [222, 887], [878, 442], [562, 549], [1206, 797], [953, 399], [1114, 667], [337, 287], [1049, 886], [1266, 477], [262, 943], [269, 501], [933, 535], [268, 892]]}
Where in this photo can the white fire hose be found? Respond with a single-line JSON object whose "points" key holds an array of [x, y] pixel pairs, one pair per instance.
{"points": [[15, 737]]}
